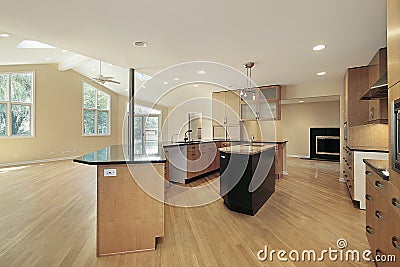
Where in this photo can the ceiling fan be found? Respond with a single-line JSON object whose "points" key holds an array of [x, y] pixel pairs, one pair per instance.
{"points": [[103, 79]]}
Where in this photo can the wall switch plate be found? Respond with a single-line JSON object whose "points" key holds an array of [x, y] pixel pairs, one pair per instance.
{"points": [[110, 172]]}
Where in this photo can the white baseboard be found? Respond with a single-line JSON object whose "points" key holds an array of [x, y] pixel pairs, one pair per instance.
{"points": [[34, 161]]}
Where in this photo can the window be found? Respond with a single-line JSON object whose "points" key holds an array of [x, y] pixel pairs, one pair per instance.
{"points": [[16, 104], [96, 111], [146, 130]]}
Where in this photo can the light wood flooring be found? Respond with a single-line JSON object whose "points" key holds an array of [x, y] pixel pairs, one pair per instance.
{"points": [[48, 211]]}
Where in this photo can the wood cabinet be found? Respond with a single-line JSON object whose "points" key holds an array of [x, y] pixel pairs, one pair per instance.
{"points": [[356, 81], [382, 216], [348, 168], [225, 108], [202, 158], [128, 218], [261, 104], [393, 41], [354, 172]]}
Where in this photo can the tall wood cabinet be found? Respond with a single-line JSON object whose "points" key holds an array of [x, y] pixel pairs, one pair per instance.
{"points": [[393, 41], [225, 108], [356, 81], [378, 111]]}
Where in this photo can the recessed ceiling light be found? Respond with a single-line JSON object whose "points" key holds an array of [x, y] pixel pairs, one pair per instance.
{"points": [[93, 70], [201, 72], [301, 101], [322, 73], [48, 58], [165, 82], [64, 51], [196, 85], [109, 64], [33, 44], [319, 47], [140, 44], [176, 79], [5, 35]]}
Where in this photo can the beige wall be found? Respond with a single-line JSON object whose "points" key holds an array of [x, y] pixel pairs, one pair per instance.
{"points": [[330, 86], [58, 118], [297, 119]]}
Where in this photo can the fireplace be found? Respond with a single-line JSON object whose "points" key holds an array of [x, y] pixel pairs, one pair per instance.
{"points": [[325, 143]]}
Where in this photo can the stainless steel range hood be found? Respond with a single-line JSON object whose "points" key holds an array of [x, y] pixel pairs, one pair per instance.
{"points": [[379, 90]]}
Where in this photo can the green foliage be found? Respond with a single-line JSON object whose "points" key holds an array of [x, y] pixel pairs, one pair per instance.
{"points": [[3, 87], [21, 87], [89, 122], [3, 119], [20, 118]]}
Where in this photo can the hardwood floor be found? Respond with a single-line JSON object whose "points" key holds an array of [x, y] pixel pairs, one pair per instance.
{"points": [[48, 219]]}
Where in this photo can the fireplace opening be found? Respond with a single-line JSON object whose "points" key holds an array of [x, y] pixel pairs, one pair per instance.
{"points": [[325, 143]]}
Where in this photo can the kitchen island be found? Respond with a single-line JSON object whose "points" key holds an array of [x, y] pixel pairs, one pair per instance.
{"points": [[188, 161], [247, 176], [130, 196]]}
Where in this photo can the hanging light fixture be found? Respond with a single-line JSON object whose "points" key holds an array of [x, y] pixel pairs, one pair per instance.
{"points": [[248, 88]]}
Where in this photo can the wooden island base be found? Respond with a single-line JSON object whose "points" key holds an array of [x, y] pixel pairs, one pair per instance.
{"points": [[128, 219]]}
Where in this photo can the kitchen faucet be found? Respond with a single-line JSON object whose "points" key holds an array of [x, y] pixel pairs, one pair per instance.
{"points": [[186, 138]]}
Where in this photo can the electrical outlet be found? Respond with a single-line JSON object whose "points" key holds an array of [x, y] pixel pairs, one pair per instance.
{"points": [[67, 151], [52, 153], [110, 172]]}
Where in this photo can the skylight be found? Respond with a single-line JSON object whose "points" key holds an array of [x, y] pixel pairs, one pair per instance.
{"points": [[33, 44], [142, 77]]}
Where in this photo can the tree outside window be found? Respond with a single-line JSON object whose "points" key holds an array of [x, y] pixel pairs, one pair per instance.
{"points": [[16, 104], [96, 111]]}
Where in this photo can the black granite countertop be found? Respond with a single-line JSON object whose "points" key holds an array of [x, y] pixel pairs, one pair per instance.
{"points": [[115, 155], [368, 149], [381, 167], [222, 140]]}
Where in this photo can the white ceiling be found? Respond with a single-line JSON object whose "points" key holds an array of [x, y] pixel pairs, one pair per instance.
{"points": [[277, 34]]}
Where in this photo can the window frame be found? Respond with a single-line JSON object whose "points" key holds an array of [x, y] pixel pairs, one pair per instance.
{"points": [[9, 104], [96, 110]]}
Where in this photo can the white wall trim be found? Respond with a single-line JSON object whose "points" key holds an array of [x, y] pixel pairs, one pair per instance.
{"points": [[34, 161]]}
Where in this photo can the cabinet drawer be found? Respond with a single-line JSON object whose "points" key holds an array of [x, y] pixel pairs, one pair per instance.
{"points": [[380, 184], [394, 198], [391, 237]]}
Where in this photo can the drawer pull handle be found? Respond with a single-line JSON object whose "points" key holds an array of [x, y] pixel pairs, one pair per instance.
{"points": [[349, 167], [369, 229], [368, 173], [378, 215], [378, 184], [368, 197], [395, 203], [222, 156], [395, 243]]}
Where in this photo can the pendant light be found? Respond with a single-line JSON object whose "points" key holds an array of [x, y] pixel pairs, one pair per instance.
{"points": [[248, 88]]}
